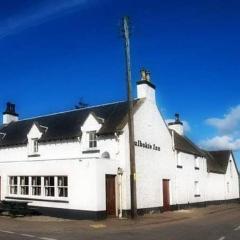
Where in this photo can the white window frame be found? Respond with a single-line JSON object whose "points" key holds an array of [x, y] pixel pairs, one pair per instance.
{"points": [[36, 188], [33, 147], [48, 188], [196, 189], [13, 185], [24, 187], [179, 160], [62, 186], [228, 187], [92, 139], [196, 163]]}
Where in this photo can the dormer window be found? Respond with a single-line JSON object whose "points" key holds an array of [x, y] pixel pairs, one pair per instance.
{"points": [[34, 136], [89, 131], [33, 147], [92, 139]]}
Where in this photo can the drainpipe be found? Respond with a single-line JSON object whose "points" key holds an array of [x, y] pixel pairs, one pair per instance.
{"points": [[120, 173], [176, 176], [173, 142]]}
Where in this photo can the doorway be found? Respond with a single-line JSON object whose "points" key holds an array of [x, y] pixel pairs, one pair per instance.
{"points": [[110, 195], [166, 195]]}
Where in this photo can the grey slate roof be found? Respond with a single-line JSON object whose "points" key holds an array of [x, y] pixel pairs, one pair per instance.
{"points": [[184, 144], [66, 125], [217, 161], [222, 158]]}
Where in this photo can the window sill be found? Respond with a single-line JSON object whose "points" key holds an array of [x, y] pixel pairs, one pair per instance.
{"points": [[197, 195], [34, 155], [91, 151], [37, 199], [179, 166], [197, 168]]}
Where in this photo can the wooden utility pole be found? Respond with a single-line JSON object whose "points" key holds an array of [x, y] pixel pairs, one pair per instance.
{"points": [[130, 119]]}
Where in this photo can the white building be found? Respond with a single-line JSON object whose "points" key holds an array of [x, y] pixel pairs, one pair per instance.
{"points": [[76, 164]]}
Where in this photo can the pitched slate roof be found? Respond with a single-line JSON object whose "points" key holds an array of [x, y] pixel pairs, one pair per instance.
{"points": [[217, 161], [66, 125], [213, 164], [220, 163], [184, 144]]}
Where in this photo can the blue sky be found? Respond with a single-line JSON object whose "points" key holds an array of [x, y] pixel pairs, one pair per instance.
{"points": [[55, 52]]}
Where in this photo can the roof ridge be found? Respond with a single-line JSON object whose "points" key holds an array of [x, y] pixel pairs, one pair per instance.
{"points": [[68, 111]]}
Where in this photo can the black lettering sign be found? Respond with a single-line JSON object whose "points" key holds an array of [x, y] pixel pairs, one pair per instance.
{"points": [[146, 145]]}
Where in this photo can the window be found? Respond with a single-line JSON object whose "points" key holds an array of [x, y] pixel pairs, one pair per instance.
{"points": [[62, 186], [196, 160], [24, 185], [13, 185], [179, 160], [49, 186], [39, 187], [228, 187], [33, 146], [36, 186], [92, 139], [196, 189]]}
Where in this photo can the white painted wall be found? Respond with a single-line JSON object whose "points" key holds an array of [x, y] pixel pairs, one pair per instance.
{"points": [[178, 128], [86, 172], [151, 166], [144, 91], [7, 118], [187, 175], [216, 186]]}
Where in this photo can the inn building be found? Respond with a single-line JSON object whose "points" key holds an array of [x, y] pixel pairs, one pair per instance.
{"points": [[75, 164]]}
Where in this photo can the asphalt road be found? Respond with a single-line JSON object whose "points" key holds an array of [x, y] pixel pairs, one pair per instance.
{"points": [[207, 224]]}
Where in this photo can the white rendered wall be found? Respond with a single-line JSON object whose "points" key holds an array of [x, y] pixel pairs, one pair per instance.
{"points": [[178, 128], [151, 166], [186, 176], [7, 118], [145, 91], [217, 188], [233, 179], [86, 172]]}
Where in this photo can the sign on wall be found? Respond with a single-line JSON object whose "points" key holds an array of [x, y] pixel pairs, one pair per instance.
{"points": [[146, 145]]}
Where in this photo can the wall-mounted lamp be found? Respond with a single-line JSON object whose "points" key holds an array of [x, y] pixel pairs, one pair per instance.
{"points": [[120, 171]]}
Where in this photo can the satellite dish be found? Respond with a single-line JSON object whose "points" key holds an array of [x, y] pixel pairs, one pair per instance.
{"points": [[106, 155]]}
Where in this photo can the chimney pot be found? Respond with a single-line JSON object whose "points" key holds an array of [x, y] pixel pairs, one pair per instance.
{"points": [[177, 125], [145, 89], [10, 114], [143, 74]]}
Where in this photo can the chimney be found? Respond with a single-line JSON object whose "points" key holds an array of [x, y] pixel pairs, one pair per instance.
{"points": [[10, 115], [145, 89], [177, 125]]}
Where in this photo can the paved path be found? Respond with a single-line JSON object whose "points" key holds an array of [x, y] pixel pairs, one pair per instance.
{"points": [[214, 223]]}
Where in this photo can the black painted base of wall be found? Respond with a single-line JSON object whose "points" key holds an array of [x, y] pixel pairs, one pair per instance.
{"points": [[71, 213], [142, 211], [98, 215]]}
